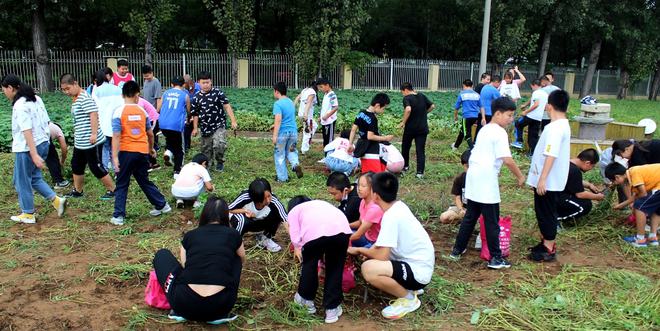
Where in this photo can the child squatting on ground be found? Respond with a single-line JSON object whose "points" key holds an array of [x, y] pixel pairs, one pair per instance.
{"points": [[193, 179], [339, 158], [481, 182], [457, 211]]}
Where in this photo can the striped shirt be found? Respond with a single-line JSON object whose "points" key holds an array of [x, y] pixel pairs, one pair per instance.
{"points": [[83, 105]]}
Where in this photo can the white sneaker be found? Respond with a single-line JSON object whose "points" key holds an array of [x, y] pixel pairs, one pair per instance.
{"points": [[60, 205], [167, 158], [179, 204], [453, 148], [477, 242], [164, 210], [400, 307], [197, 204], [175, 176], [308, 304], [24, 218], [332, 315], [117, 220], [418, 292], [321, 160], [269, 244]]}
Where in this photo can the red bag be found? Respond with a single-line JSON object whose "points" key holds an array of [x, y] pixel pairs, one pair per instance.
{"points": [[154, 295], [347, 276], [505, 237]]}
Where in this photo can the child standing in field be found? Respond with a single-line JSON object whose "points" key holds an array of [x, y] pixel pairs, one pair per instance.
{"points": [[209, 110], [53, 161], [329, 108], [307, 99], [132, 142], [457, 211], [122, 75], [319, 231], [192, 180], [531, 117], [285, 134], [174, 109], [488, 94], [368, 227], [108, 98], [88, 139], [29, 126], [511, 87], [415, 126], [341, 190], [548, 174], [339, 157], [644, 184], [366, 127], [468, 99], [481, 183]]}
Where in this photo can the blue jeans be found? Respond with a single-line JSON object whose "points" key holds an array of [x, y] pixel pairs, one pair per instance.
{"points": [[106, 156], [136, 165], [27, 177], [285, 149], [347, 167], [362, 242]]}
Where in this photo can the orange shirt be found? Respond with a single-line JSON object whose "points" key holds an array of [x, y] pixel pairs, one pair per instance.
{"points": [[132, 122], [647, 175]]}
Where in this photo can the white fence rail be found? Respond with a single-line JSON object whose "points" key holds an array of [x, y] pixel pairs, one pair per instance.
{"points": [[265, 69]]}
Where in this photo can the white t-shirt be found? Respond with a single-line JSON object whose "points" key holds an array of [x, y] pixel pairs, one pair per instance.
{"points": [[510, 90], [542, 97], [108, 98], [482, 179], [339, 148], [190, 182], [304, 95], [555, 141], [329, 102], [28, 116], [408, 241], [548, 89]]}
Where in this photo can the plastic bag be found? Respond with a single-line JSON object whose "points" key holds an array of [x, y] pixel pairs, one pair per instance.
{"points": [[154, 295], [505, 237]]}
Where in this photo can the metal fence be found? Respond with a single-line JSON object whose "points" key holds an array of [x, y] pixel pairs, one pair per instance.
{"points": [[265, 69]]}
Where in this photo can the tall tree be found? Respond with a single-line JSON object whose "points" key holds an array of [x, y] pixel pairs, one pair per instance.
{"points": [[234, 19], [144, 22], [328, 30], [598, 28], [40, 44]]}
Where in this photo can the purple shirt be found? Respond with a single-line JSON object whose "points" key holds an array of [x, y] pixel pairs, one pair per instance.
{"points": [[315, 219]]}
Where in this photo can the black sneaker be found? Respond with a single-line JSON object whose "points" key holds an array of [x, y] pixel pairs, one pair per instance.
{"points": [[498, 263], [220, 167], [456, 255], [64, 183], [540, 253], [167, 160], [405, 169], [74, 194], [109, 195], [154, 167], [298, 170]]}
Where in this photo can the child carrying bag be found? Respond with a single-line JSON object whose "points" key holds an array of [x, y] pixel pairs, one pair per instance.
{"points": [[505, 237], [154, 295]]}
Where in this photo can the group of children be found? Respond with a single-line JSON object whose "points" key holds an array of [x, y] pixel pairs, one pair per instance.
{"points": [[369, 221]]}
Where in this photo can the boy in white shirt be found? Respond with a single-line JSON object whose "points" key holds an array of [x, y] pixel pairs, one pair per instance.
{"points": [[548, 173], [329, 108], [402, 259], [531, 117], [481, 183], [192, 180], [307, 99]]}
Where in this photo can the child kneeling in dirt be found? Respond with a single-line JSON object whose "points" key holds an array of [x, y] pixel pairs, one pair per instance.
{"points": [[644, 184], [456, 212], [401, 260], [204, 286], [340, 159], [318, 231], [191, 181]]}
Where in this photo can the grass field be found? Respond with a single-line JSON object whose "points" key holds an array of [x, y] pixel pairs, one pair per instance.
{"points": [[81, 272]]}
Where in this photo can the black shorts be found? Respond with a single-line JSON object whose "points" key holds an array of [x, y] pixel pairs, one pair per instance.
{"points": [[402, 273], [649, 204], [88, 157]]}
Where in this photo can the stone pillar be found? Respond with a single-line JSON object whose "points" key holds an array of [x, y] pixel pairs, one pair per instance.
{"points": [[434, 77], [569, 82], [347, 77], [243, 73], [111, 62]]}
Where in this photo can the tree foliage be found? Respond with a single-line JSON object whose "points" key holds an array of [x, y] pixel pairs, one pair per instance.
{"points": [[234, 20]]}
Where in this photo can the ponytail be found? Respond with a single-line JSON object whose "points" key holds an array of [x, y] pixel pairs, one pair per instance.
{"points": [[22, 90]]}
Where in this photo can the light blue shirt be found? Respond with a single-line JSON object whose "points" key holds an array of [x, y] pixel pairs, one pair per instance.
{"points": [[488, 94], [286, 108]]}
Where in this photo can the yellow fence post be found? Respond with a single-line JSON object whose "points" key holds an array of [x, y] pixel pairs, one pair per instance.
{"points": [[347, 81], [243, 73], [569, 82], [434, 77]]}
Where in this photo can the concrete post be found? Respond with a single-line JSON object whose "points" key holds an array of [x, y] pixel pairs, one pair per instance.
{"points": [[243, 73], [434, 77], [111, 62], [569, 82], [347, 77]]}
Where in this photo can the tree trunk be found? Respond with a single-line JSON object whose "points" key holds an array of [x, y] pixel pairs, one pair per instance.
{"points": [[655, 86], [148, 47], [257, 19], [40, 45], [234, 70], [591, 69], [545, 47], [624, 84]]}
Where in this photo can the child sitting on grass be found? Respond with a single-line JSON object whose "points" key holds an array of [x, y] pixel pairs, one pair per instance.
{"points": [[368, 226], [339, 157], [644, 183], [192, 180], [457, 211], [319, 231]]}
